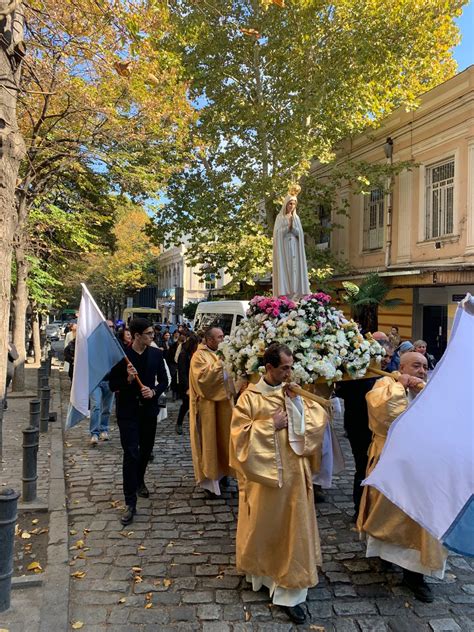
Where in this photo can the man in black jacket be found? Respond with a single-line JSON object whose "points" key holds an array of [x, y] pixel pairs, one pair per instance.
{"points": [[137, 409]]}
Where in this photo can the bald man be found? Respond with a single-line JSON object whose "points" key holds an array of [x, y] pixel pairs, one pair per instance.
{"points": [[390, 533], [210, 412]]}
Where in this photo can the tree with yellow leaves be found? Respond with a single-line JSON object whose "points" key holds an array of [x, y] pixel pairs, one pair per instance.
{"points": [[276, 85], [99, 93]]}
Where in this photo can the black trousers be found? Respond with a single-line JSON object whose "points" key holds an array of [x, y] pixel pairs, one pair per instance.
{"points": [[183, 409], [137, 436], [360, 438]]}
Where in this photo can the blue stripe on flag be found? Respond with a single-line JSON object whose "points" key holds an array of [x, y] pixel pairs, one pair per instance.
{"points": [[460, 535], [73, 417], [104, 352]]}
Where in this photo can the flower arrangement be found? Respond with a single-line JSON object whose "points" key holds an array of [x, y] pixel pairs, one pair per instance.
{"points": [[324, 343]]}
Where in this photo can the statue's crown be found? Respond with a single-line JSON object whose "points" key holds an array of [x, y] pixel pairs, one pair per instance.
{"points": [[294, 189]]}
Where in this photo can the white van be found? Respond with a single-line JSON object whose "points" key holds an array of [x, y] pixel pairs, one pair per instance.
{"points": [[224, 314]]}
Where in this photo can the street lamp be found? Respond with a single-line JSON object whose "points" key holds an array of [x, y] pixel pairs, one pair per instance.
{"points": [[388, 149]]}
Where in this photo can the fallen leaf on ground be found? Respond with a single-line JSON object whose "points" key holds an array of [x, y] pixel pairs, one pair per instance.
{"points": [[77, 625], [167, 583], [35, 521], [248, 616], [142, 548], [25, 535], [34, 566], [138, 579], [137, 569], [72, 532], [148, 605], [43, 531], [79, 574], [79, 544], [86, 531], [318, 628], [122, 600]]}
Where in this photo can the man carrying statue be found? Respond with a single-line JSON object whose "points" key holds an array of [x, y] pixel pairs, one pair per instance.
{"points": [[390, 533], [276, 446], [210, 412]]}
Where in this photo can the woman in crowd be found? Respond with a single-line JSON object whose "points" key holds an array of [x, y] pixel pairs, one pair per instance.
{"points": [[421, 347], [125, 337]]}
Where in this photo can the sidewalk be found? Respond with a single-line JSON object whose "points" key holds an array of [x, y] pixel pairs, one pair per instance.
{"points": [[38, 600]]}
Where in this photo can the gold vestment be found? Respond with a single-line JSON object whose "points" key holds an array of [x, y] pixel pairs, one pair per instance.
{"points": [[210, 413], [277, 534], [379, 517]]}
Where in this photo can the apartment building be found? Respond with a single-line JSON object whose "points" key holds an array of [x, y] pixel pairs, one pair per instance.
{"points": [[417, 231], [179, 281]]}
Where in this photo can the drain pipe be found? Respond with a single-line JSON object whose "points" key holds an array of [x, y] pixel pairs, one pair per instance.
{"points": [[388, 150]]}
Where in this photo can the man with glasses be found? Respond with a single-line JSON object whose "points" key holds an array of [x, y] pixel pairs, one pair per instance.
{"points": [[137, 409]]}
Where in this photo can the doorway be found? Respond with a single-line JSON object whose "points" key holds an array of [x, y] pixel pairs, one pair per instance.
{"points": [[435, 329]]}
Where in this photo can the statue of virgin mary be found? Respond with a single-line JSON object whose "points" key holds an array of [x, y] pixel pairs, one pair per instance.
{"points": [[290, 270]]}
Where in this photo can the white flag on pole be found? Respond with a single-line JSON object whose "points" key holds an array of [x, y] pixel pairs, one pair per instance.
{"points": [[97, 351]]}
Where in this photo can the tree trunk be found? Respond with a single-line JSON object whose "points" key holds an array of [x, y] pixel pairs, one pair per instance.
{"points": [[12, 151], [35, 332], [19, 306]]}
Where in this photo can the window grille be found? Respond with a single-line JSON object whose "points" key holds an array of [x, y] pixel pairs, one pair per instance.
{"points": [[439, 199], [374, 218]]}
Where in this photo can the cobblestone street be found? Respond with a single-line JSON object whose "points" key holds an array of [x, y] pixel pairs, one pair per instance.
{"points": [[173, 568]]}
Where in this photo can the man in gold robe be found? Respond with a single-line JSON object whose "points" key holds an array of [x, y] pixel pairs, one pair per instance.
{"points": [[276, 445], [210, 412], [391, 534]]}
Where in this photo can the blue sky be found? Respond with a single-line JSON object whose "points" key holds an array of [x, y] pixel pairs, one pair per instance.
{"points": [[464, 53]]}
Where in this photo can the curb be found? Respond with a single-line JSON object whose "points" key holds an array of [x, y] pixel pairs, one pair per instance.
{"points": [[55, 605]]}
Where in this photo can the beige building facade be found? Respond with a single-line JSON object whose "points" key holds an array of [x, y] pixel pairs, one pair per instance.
{"points": [[417, 231], [176, 276]]}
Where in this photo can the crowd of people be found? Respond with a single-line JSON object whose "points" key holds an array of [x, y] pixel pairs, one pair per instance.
{"points": [[275, 442]]}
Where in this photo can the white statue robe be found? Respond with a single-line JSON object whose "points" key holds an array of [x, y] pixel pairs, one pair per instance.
{"points": [[290, 270]]}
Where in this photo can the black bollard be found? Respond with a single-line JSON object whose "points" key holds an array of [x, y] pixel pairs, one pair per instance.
{"points": [[48, 362], [35, 408], [41, 375], [8, 504], [30, 461], [44, 381], [44, 414]]}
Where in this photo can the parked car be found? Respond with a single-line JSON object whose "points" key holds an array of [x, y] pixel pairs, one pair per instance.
{"points": [[54, 330]]}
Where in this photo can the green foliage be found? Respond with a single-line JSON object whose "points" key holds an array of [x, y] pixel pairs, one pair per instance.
{"points": [[75, 216], [114, 275], [275, 88], [365, 300], [104, 112], [189, 310]]}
